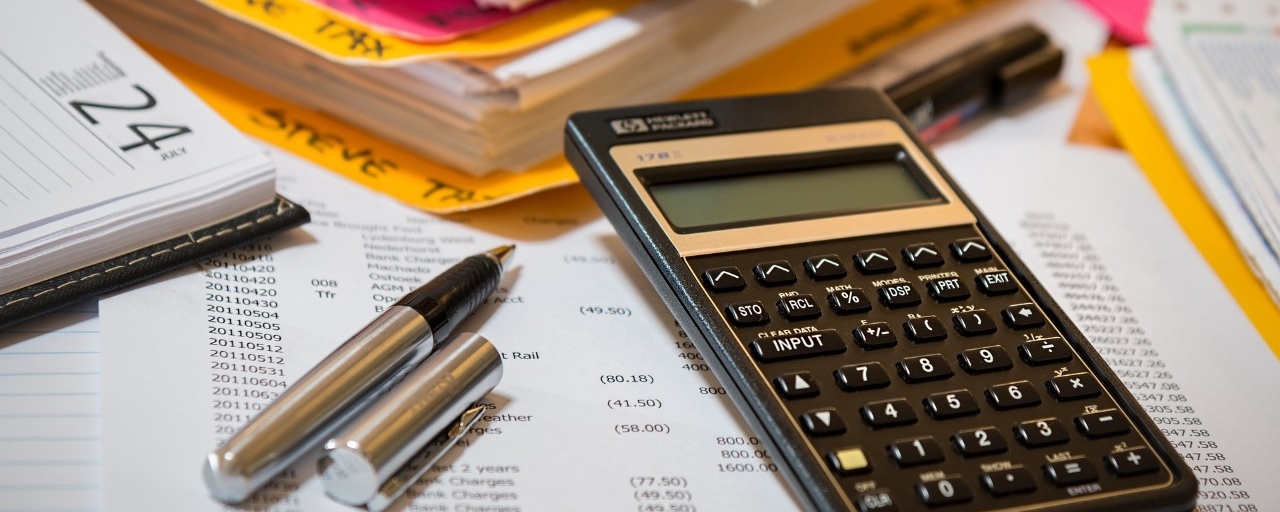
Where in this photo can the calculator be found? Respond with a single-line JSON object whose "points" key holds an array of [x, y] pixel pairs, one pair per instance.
{"points": [[873, 328]]}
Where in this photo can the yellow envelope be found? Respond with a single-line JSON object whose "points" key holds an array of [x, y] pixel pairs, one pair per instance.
{"points": [[344, 39], [824, 53], [1140, 133], [351, 152]]}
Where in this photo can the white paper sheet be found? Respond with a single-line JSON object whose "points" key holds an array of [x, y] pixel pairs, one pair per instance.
{"points": [[1101, 241], [597, 410], [1222, 58], [50, 437], [1208, 173]]}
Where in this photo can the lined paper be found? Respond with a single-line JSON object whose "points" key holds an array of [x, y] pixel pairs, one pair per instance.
{"points": [[50, 430]]}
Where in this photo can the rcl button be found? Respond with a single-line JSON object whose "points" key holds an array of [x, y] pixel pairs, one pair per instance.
{"points": [[799, 307], [803, 344]]}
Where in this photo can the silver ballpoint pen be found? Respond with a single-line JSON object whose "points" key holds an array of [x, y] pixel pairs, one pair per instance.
{"points": [[352, 377]]}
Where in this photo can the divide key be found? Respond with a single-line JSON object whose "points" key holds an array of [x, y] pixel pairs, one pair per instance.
{"points": [[804, 344]]}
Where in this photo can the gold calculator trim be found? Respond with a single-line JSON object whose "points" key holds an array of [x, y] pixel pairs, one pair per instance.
{"points": [[791, 141]]}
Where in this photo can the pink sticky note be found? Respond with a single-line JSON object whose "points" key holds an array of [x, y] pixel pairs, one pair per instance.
{"points": [[428, 21], [1128, 18]]}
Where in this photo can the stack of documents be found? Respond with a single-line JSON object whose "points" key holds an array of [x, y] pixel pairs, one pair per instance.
{"points": [[1213, 83], [481, 101]]}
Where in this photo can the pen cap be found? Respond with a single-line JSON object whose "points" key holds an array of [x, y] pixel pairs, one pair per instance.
{"points": [[429, 400]]}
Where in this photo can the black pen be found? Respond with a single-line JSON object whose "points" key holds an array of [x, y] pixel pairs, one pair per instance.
{"points": [[1002, 70], [352, 377]]}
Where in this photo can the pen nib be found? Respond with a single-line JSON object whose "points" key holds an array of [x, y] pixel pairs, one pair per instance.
{"points": [[501, 254]]}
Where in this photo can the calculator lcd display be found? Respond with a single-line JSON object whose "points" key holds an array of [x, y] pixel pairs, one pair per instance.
{"points": [[768, 197]]}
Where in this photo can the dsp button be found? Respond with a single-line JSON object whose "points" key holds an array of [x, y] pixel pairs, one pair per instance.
{"points": [[805, 344], [898, 295]]}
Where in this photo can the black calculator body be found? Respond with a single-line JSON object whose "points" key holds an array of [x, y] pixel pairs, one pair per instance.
{"points": [[866, 319]]}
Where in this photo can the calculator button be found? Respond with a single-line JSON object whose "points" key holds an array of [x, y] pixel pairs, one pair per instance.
{"points": [[1020, 316], [949, 404], [971, 323], [774, 273], [856, 377], [945, 491], [824, 267], [985, 359], [887, 413], [1073, 386], [1041, 432], [1133, 462], [848, 301], [796, 385], [979, 441], [970, 249], [898, 295], [849, 460], [922, 368], [999, 282], [912, 452], [822, 422], [1071, 472], [724, 279], [876, 501], [925, 328], [1044, 351], [804, 344], [875, 335], [744, 314], [874, 261], [947, 289], [1102, 423], [1008, 481], [922, 255], [1013, 395], [799, 307]]}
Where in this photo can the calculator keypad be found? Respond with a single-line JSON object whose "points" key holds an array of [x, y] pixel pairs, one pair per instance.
{"points": [[923, 376]]}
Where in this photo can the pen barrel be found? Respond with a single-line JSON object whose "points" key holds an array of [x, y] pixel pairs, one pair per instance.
{"points": [[426, 403], [447, 299], [319, 403]]}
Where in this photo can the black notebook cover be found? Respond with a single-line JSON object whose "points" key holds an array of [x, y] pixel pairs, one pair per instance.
{"points": [[135, 266]]}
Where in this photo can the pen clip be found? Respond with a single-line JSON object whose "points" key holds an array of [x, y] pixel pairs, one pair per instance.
{"points": [[421, 462]]}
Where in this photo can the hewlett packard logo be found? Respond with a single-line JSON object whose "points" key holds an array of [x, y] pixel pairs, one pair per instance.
{"points": [[693, 120], [629, 126]]}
